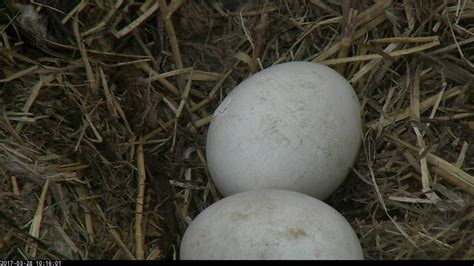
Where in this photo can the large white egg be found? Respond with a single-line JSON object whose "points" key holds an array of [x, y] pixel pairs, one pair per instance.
{"points": [[293, 126], [270, 224]]}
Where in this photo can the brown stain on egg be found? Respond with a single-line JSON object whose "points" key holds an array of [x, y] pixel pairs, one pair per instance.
{"points": [[237, 216], [295, 233], [317, 253]]}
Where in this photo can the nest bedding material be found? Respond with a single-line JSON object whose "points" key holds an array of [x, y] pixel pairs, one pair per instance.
{"points": [[105, 107]]}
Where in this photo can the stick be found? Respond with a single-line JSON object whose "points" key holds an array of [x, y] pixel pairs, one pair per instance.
{"points": [[139, 240]]}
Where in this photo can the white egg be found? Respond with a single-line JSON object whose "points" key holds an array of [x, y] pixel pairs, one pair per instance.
{"points": [[293, 126], [270, 224]]}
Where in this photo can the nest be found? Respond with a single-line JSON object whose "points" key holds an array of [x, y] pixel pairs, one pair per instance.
{"points": [[105, 107]]}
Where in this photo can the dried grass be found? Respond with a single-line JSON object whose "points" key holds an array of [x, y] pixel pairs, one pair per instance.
{"points": [[105, 106]]}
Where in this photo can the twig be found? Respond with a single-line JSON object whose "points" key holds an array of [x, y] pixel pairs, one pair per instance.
{"points": [[424, 105], [448, 171], [137, 22], [184, 96], [31, 248], [85, 59], [171, 36], [139, 239], [114, 234], [87, 214], [175, 5], [375, 56], [19, 74]]}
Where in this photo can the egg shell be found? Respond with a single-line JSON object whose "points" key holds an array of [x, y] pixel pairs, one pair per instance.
{"points": [[293, 126], [270, 224]]}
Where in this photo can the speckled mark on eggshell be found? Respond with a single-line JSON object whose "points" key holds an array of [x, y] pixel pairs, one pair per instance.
{"points": [[239, 216], [295, 233]]}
